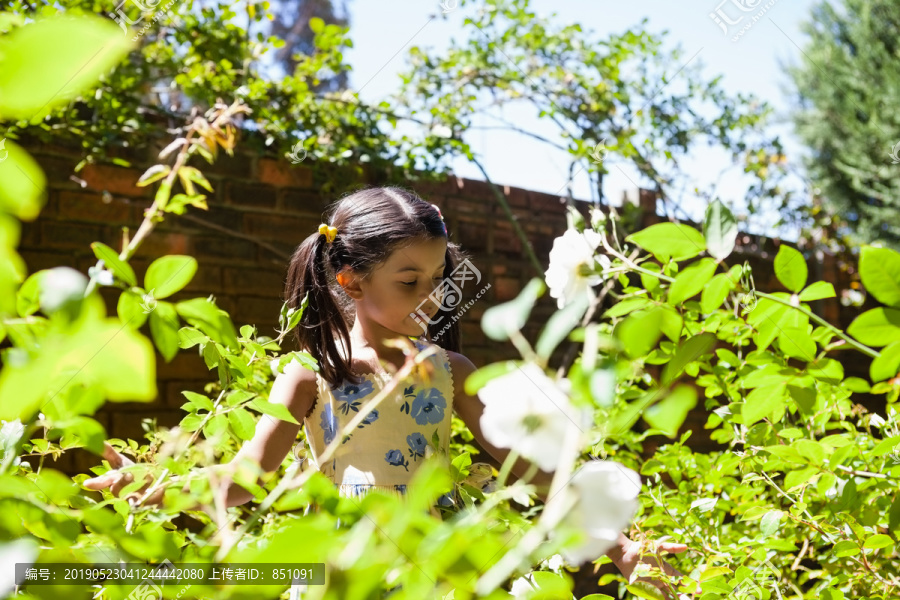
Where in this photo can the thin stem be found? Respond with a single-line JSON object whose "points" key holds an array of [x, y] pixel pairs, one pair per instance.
{"points": [[862, 348]]}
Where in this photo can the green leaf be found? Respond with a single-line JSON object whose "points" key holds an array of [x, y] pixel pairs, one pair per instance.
{"points": [[817, 291], [691, 280], [242, 423], [692, 349], [762, 402], [51, 61], [279, 411], [153, 174], [191, 422], [640, 331], [798, 477], [188, 337], [826, 369], [89, 432], [879, 269], [713, 572], [887, 364], [23, 190], [498, 322], [876, 327], [642, 589], [132, 309], [669, 415], [797, 343], [669, 240], [168, 274], [879, 540], [164, 329], [624, 307], [720, 230], [317, 25], [715, 292], [94, 351], [199, 400], [560, 324], [790, 268], [845, 548], [210, 319], [121, 269], [894, 514], [768, 525]]}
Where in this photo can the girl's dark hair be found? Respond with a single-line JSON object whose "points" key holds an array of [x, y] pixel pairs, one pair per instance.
{"points": [[372, 223]]}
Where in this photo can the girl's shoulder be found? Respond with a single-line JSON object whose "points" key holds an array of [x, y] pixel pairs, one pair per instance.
{"points": [[460, 368]]}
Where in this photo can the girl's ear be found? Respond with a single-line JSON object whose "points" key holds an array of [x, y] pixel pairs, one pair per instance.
{"points": [[348, 281]]}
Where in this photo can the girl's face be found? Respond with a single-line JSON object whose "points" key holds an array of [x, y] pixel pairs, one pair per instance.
{"points": [[400, 287]]}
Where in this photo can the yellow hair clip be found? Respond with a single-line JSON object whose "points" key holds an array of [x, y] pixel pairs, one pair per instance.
{"points": [[328, 232]]}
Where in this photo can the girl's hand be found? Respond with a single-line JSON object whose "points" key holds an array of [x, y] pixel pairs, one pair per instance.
{"points": [[631, 557], [115, 480]]}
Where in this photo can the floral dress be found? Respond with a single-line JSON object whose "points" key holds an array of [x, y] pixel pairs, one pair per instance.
{"points": [[391, 441]]}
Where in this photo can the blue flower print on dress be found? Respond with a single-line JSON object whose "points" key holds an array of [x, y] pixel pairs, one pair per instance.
{"points": [[428, 407], [395, 457], [417, 445], [349, 395], [329, 424], [369, 418]]}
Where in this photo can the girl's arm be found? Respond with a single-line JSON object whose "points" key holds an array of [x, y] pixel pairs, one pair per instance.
{"points": [[295, 388], [625, 554]]}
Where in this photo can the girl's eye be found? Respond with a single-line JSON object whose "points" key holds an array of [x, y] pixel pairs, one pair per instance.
{"points": [[414, 283]]}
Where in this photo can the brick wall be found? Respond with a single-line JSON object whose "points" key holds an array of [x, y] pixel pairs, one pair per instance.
{"points": [[261, 208]]}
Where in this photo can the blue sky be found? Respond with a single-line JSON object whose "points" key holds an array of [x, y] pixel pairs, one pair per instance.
{"points": [[382, 33]]}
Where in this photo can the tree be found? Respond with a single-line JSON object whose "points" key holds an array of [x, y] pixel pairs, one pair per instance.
{"points": [[848, 87], [292, 24]]}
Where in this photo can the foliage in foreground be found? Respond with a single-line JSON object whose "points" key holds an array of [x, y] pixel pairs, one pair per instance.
{"points": [[804, 505]]}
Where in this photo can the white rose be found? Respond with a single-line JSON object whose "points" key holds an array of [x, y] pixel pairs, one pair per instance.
{"points": [[59, 286], [606, 501], [528, 411], [571, 255]]}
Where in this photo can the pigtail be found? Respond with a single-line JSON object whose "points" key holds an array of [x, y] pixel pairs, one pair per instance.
{"points": [[323, 320]]}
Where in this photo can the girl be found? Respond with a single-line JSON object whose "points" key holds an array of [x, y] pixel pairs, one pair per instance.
{"points": [[378, 259]]}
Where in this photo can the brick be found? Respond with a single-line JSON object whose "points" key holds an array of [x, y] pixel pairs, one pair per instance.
{"points": [[239, 166], [160, 243], [519, 198], [292, 230], [506, 240], [262, 312], [187, 364], [544, 204], [81, 206], [476, 190], [258, 282], [259, 196], [58, 169], [282, 173], [308, 203], [207, 280], [127, 425], [506, 288], [115, 180], [473, 236], [224, 248], [57, 234], [36, 260]]}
